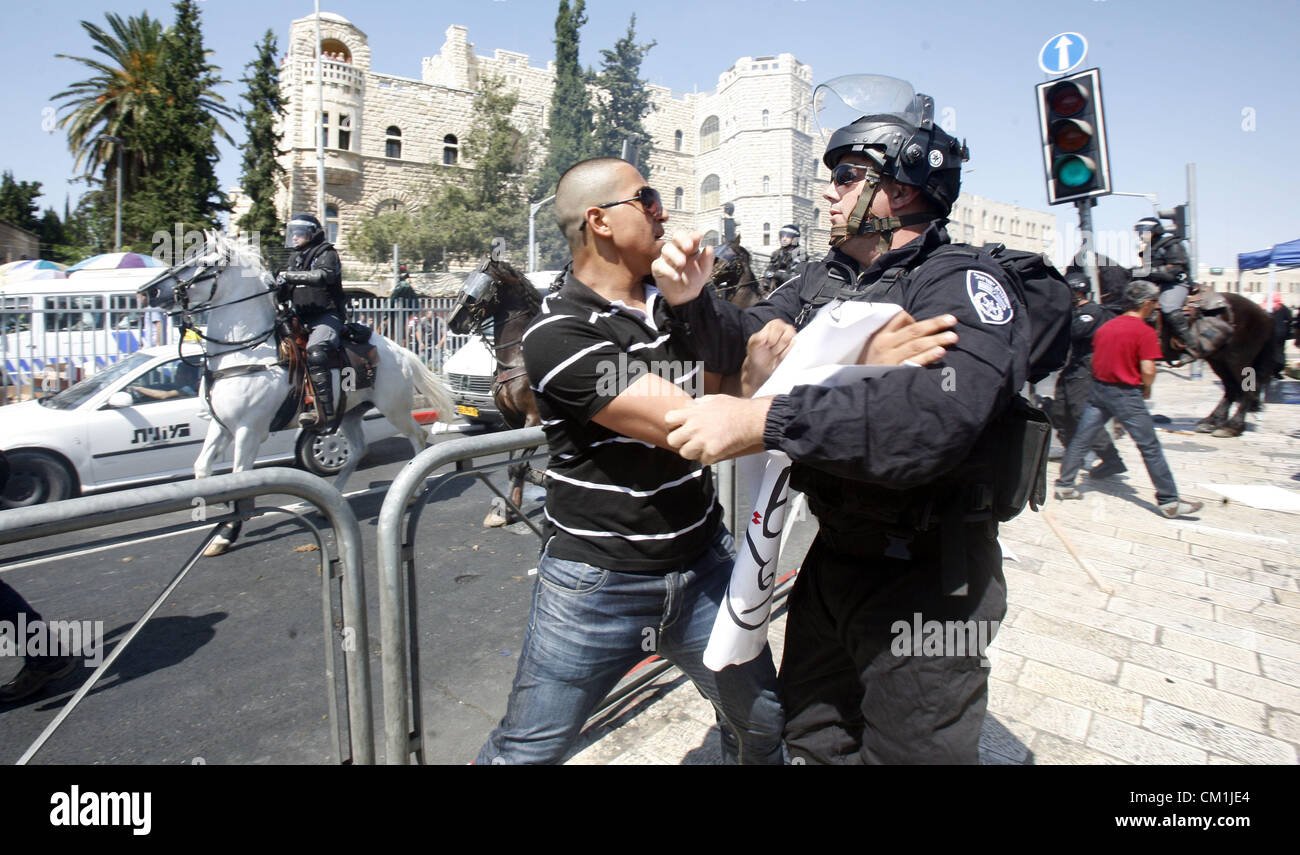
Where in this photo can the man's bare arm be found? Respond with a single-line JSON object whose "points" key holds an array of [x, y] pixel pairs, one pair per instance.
{"points": [[1147, 367], [639, 410]]}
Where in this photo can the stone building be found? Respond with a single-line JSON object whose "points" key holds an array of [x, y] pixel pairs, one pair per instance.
{"points": [[750, 142]]}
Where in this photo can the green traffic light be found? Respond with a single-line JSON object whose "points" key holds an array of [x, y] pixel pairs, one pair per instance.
{"points": [[1074, 171]]}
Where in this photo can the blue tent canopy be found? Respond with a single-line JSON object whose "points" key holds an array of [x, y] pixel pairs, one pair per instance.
{"points": [[1283, 255]]}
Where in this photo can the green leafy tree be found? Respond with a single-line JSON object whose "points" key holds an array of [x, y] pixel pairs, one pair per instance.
{"points": [[18, 202], [570, 138], [261, 169], [625, 100], [180, 186]]}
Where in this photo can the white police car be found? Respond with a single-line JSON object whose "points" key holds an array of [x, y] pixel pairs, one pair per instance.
{"points": [[137, 421]]}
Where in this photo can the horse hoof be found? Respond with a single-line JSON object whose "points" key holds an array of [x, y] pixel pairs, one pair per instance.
{"points": [[217, 547], [1206, 427], [1225, 432], [498, 516]]}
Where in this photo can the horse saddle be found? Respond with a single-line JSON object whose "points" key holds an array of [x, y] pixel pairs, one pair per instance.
{"points": [[358, 359], [1210, 317]]}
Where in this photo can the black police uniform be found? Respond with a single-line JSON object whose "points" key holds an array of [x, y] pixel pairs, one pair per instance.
{"points": [[317, 276], [890, 466], [783, 263], [1074, 383]]}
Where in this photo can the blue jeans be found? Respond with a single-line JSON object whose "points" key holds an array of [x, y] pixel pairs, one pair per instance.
{"points": [[588, 626], [1126, 406]]}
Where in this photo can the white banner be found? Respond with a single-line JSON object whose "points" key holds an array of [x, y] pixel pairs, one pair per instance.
{"points": [[824, 353]]}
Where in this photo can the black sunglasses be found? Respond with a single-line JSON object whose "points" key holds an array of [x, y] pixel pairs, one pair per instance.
{"points": [[851, 173], [649, 198]]}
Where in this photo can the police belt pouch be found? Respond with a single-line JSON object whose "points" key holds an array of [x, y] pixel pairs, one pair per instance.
{"points": [[1020, 476]]}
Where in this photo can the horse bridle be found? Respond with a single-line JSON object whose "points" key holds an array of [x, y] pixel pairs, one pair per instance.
{"points": [[182, 291]]}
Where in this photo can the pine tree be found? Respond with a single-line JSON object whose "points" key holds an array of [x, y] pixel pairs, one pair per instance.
{"points": [[625, 100], [262, 142], [570, 131], [181, 186]]}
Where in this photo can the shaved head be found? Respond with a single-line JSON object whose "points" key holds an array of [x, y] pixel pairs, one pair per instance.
{"points": [[584, 185]]}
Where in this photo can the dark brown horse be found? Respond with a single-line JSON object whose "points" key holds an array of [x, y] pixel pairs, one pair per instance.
{"points": [[732, 278], [499, 295], [1243, 362]]}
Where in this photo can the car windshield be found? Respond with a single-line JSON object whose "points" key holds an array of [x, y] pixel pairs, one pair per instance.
{"points": [[77, 395]]}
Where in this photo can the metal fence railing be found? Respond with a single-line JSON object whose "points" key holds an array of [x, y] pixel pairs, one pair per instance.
{"points": [[22, 524], [44, 349]]}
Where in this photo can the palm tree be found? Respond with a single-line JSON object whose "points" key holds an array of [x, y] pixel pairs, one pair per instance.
{"points": [[116, 99]]}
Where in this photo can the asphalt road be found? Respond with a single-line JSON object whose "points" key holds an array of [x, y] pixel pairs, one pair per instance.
{"points": [[231, 667]]}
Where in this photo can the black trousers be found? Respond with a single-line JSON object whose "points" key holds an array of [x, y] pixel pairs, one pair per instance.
{"points": [[860, 686], [1072, 393]]}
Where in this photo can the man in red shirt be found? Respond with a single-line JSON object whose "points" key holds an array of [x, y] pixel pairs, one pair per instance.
{"points": [[1124, 357]]}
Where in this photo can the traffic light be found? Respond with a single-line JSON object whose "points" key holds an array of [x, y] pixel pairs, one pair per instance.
{"points": [[1179, 216], [1072, 125]]}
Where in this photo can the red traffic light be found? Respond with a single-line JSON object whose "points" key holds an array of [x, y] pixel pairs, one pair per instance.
{"points": [[1067, 98]]}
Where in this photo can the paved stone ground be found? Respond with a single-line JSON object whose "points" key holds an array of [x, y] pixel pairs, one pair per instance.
{"points": [[1192, 656]]}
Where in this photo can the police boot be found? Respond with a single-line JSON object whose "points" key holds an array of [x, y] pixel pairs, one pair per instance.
{"points": [[324, 381], [1183, 329]]}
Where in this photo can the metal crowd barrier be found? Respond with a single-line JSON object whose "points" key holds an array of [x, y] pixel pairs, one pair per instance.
{"points": [[398, 617], [240, 488]]}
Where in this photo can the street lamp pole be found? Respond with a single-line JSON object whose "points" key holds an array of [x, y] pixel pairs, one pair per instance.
{"points": [[117, 233], [533, 208]]}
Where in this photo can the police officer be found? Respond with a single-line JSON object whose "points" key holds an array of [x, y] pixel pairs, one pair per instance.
{"points": [[784, 261], [1165, 263], [895, 466], [315, 276], [1074, 383]]}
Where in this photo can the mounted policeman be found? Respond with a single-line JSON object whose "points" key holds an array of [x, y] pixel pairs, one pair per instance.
{"points": [[313, 284], [1165, 263], [784, 261]]}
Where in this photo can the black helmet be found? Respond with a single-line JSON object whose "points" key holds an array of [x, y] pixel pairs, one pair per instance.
{"points": [[302, 225], [1149, 224], [791, 230], [1078, 282], [899, 135]]}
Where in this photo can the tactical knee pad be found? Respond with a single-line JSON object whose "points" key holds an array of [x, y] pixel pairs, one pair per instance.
{"points": [[320, 356]]}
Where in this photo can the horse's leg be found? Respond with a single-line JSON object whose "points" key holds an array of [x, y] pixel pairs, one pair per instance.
{"points": [[1244, 392], [245, 453], [351, 430], [1219, 415]]}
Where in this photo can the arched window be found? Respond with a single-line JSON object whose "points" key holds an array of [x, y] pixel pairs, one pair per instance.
{"points": [[393, 145], [678, 195], [389, 206], [817, 215], [677, 140], [767, 234], [450, 150], [332, 223], [709, 193], [767, 184], [710, 238], [709, 134], [333, 50], [765, 117]]}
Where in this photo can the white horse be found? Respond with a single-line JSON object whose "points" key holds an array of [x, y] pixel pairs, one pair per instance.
{"points": [[248, 383]]}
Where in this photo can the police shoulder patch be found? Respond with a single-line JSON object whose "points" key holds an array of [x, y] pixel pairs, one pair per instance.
{"points": [[1087, 319], [988, 297]]}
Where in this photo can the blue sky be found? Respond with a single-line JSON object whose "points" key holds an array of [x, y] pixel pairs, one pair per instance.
{"points": [[1191, 81]]}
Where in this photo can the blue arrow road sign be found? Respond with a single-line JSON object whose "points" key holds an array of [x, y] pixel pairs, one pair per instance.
{"points": [[1062, 53]]}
